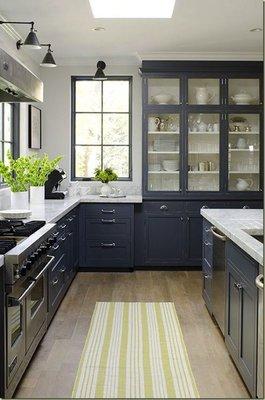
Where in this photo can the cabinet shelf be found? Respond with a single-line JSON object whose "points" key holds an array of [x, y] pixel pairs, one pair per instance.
{"points": [[244, 150], [203, 172], [163, 152], [163, 133], [163, 172], [244, 172], [204, 133], [204, 152], [243, 133]]}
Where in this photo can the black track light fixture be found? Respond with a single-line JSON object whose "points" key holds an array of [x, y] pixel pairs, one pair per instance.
{"points": [[48, 60], [31, 40], [99, 75]]}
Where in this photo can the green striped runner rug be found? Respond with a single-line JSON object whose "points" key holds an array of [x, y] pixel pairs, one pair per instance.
{"points": [[134, 350]]}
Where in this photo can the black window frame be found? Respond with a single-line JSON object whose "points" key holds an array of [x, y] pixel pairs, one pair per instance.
{"points": [[76, 78]]}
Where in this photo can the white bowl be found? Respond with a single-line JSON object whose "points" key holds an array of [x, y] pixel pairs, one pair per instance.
{"points": [[163, 98], [170, 165], [15, 214], [154, 167]]}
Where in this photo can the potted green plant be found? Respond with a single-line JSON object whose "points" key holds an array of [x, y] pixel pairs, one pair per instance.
{"points": [[15, 174], [105, 176], [38, 172]]}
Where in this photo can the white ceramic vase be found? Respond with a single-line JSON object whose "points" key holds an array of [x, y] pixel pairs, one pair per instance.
{"points": [[36, 194], [20, 200], [105, 190]]}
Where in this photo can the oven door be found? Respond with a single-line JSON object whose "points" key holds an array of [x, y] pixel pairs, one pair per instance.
{"points": [[36, 301], [16, 329]]}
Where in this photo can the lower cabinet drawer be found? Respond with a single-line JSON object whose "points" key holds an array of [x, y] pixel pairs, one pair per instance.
{"points": [[107, 210], [103, 252], [56, 283], [107, 226], [207, 285], [207, 253]]}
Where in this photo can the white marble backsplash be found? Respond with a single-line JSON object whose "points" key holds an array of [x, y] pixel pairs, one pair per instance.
{"points": [[87, 188]]}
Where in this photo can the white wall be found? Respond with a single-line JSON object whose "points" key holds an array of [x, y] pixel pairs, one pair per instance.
{"points": [[57, 116]]}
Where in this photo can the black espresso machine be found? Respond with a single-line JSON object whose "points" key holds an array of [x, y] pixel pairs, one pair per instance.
{"points": [[51, 186]]}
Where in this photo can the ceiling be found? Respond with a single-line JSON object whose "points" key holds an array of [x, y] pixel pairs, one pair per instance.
{"points": [[197, 26]]}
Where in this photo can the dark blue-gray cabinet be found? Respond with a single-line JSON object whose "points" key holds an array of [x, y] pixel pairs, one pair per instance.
{"points": [[207, 264], [106, 237], [169, 233], [64, 268], [200, 139], [241, 313]]}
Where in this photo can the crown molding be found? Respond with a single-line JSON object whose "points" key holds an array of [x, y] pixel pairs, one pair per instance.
{"points": [[208, 56]]}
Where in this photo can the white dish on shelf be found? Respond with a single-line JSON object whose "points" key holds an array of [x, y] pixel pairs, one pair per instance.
{"points": [[163, 98], [170, 165], [154, 167], [15, 214]]}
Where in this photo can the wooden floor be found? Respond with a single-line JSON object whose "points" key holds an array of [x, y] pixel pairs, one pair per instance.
{"points": [[52, 371]]}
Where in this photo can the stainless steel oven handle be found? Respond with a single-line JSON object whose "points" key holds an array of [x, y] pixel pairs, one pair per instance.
{"points": [[44, 268], [24, 294], [259, 281], [221, 237]]}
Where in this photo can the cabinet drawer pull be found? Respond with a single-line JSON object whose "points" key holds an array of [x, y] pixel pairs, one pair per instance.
{"points": [[238, 286], [63, 226], [108, 244], [259, 281], [108, 221], [62, 270], [207, 276], [108, 211], [207, 243], [164, 207], [55, 247], [70, 219], [55, 281], [63, 238], [204, 207], [220, 237], [56, 234], [245, 207]]}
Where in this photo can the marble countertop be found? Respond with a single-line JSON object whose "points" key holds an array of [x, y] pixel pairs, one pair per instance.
{"points": [[53, 210], [238, 225]]}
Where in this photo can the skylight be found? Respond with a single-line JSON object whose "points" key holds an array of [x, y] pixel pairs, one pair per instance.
{"points": [[132, 8]]}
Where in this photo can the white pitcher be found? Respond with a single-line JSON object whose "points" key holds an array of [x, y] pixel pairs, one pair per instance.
{"points": [[203, 96], [244, 184]]}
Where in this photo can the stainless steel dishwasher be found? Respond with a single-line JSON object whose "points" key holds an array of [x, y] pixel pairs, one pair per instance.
{"points": [[218, 280]]}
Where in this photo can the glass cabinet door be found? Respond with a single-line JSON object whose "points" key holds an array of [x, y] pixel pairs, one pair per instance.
{"points": [[202, 91], [163, 91], [163, 152], [203, 152], [244, 152], [244, 91]]}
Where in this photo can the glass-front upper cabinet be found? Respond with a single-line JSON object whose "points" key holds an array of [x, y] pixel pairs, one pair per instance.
{"points": [[244, 152], [203, 91], [163, 152], [203, 152], [164, 91], [244, 91]]}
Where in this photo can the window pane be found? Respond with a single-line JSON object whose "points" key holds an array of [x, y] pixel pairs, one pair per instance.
{"points": [[116, 129], [88, 128], [116, 96], [7, 122], [7, 146], [117, 157], [87, 160], [88, 96], [1, 121]]}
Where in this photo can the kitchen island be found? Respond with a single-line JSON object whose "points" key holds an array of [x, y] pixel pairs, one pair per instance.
{"points": [[239, 226]]}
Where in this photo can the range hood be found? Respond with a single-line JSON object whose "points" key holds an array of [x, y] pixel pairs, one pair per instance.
{"points": [[17, 83]]}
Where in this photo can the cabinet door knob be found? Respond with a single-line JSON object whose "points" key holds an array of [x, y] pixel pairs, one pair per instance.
{"points": [[207, 276], [164, 207], [238, 286], [245, 207]]}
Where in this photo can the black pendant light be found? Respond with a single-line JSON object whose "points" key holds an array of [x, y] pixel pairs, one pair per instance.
{"points": [[31, 40], [99, 75], [48, 60]]}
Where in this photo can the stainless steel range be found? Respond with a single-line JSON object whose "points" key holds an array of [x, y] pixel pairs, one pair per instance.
{"points": [[26, 265]]}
